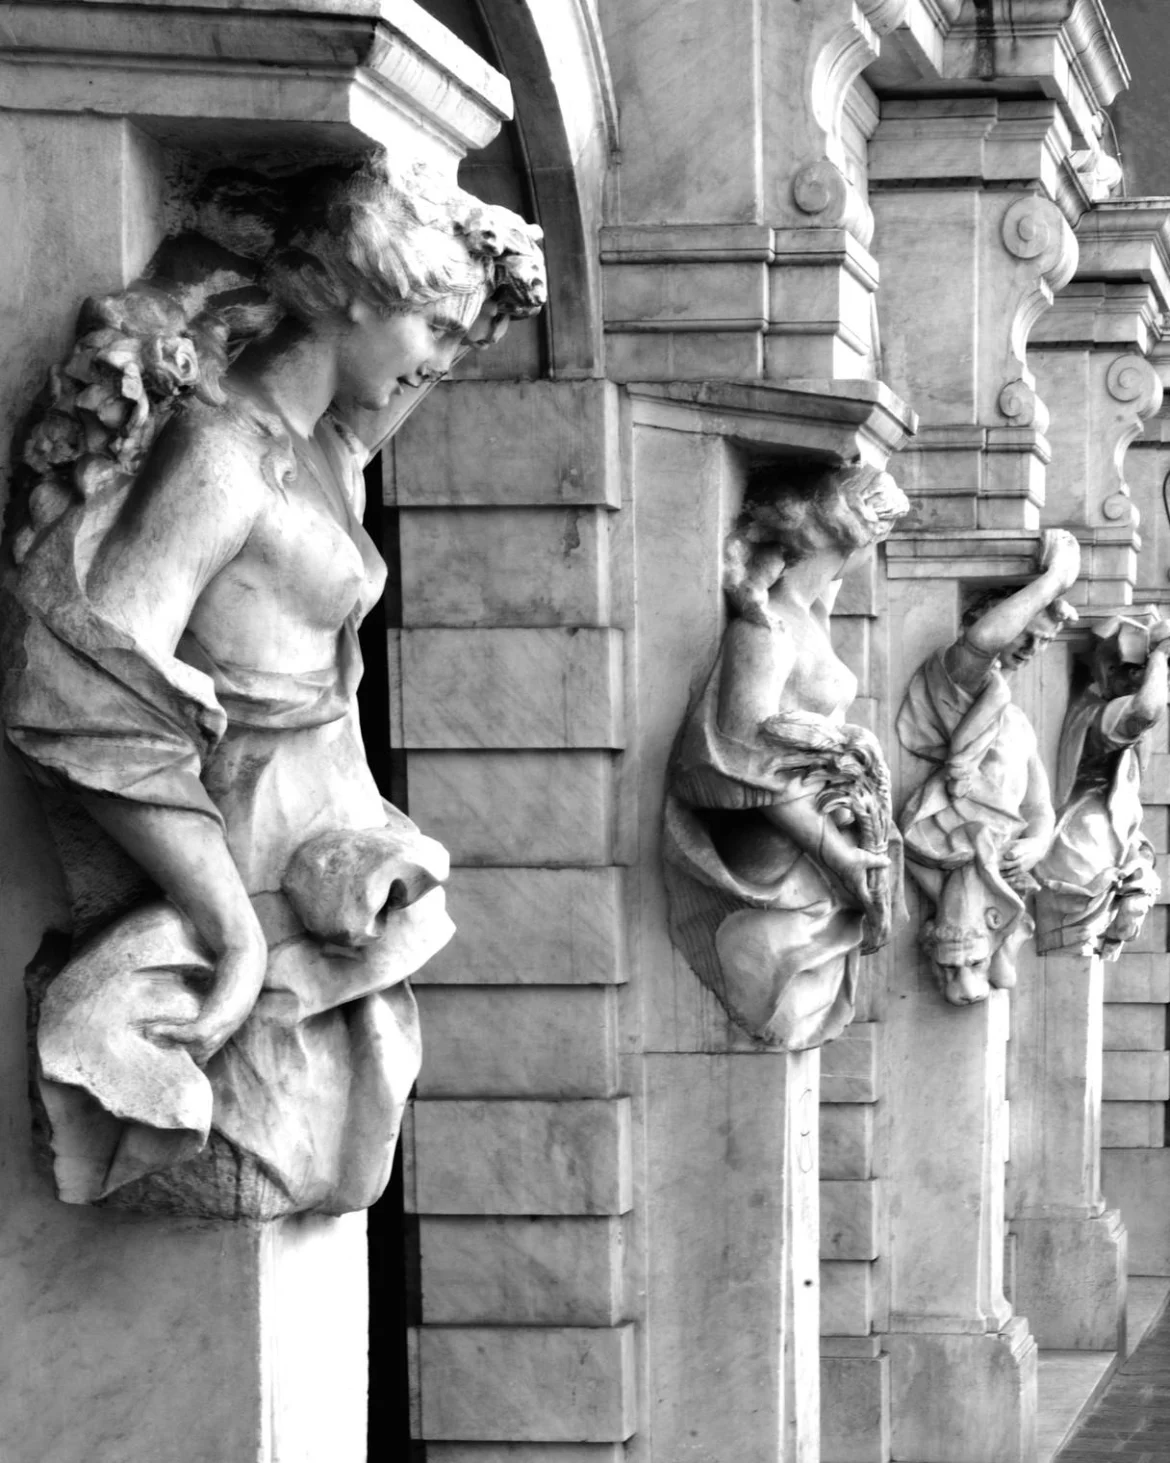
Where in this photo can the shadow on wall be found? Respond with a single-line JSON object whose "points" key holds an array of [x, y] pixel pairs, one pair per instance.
{"points": [[1139, 114]]}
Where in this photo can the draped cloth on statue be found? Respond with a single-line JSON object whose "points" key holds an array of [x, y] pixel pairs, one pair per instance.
{"points": [[967, 811], [301, 1109], [758, 920], [1098, 849]]}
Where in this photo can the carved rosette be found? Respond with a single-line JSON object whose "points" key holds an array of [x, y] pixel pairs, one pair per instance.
{"points": [[1022, 407], [821, 190]]}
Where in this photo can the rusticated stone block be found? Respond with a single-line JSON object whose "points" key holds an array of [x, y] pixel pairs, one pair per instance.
{"points": [[533, 927], [521, 1272], [1142, 978], [496, 689], [846, 1297], [849, 1220], [1133, 1124], [515, 807], [521, 1042], [855, 1409], [512, 566], [849, 1065], [509, 442], [525, 1384], [1136, 1076], [519, 1157], [1135, 1027], [846, 1140]]}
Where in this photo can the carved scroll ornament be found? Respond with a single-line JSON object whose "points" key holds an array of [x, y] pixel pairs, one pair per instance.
{"points": [[1098, 881], [982, 820], [231, 1034], [782, 861]]}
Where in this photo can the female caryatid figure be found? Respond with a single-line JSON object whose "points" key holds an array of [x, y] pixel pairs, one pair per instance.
{"points": [[781, 857], [232, 1034], [983, 819], [1098, 881]]}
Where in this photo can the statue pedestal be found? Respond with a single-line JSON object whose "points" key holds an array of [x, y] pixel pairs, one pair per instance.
{"points": [[962, 1367], [1069, 1250], [732, 1256]]}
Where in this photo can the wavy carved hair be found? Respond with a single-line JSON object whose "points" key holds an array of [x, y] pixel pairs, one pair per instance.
{"points": [[788, 514], [399, 244]]}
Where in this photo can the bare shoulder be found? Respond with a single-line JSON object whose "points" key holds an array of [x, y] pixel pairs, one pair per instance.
{"points": [[191, 509], [216, 452]]}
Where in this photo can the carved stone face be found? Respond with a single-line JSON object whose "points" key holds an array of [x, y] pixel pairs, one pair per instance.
{"points": [[381, 356], [1040, 633], [961, 962]]}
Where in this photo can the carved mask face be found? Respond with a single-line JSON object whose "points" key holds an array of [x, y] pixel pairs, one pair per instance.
{"points": [[961, 962]]}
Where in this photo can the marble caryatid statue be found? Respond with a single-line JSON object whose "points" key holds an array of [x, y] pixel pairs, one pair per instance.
{"points": [[1097, 881], [782, 861], [232, 1034], [980, 823]]}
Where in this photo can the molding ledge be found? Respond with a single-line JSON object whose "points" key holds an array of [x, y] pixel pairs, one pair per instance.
{"points": [[328, 75]]}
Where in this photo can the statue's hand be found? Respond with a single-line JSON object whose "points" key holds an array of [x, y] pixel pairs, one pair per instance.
{"points": [[852, 870], [1060, 556], [1019, 859], [1160, 637], [239, 974]]}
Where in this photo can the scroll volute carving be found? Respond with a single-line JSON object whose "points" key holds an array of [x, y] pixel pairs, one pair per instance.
{"points": [[782, 860], [1098, 881], [982, 820], [231, 1034]]}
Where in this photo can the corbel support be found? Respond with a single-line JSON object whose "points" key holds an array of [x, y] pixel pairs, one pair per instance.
{"points": [[982, 451], [812, 57], [1065, 48], [318, 82], [1091, 354]]}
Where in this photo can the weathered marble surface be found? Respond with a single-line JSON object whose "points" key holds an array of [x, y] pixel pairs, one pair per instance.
{"points": [[982, 819], [231, 1035], [781, 858], [1098, 880]]}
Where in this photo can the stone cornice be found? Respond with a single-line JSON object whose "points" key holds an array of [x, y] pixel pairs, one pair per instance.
{"points": [[1127, 239], [835, 419], [1066, 47], [365, 68]]}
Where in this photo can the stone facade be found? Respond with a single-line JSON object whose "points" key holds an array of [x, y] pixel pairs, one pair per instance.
{"points": [[885, 235]]}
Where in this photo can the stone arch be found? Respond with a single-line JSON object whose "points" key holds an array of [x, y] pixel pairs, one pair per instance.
{"points": [[562, 141]]}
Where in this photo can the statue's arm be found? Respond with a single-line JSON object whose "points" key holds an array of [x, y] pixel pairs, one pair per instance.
{"points": [[1145, 708], [968, 659], [189, 514], [757, 661], [1040, 823]]}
